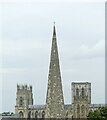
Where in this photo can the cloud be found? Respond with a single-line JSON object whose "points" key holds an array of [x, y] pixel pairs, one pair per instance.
{"points": [[84, 51], [91, 52]]}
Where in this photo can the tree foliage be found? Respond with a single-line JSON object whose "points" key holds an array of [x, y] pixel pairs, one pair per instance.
{"points": [[99, 114]]}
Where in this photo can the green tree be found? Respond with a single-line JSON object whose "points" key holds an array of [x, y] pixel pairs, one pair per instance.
{"points": [[99, 114]]}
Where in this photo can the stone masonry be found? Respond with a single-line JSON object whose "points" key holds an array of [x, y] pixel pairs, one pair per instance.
{"points": [[54, 99]]}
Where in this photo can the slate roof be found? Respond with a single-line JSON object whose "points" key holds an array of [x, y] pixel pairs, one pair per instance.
{"points": [[67, 106]]}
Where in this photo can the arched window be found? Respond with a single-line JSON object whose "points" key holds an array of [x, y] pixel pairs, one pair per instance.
{"points": [[78, 111], [29, 114], [83, 92], [43, 114], [21, 114], [21, 101], [82, 109], [77, 92], [36, 114]]}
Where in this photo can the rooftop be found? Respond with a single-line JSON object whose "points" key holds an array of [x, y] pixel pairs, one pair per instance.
{"points": [[67, 106]]}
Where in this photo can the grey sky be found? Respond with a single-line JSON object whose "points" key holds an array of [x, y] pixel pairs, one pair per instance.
{"points": [[26, 41]]}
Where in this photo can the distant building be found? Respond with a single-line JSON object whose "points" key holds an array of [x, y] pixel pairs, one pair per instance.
{"points": [[55, 107], [8, 115]]}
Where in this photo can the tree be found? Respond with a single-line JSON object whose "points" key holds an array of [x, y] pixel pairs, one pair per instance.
{"points": [[99, 114]]}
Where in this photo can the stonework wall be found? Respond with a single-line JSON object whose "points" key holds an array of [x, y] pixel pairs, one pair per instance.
{"points": [[79, 107], [81, 99], [24, 97]]}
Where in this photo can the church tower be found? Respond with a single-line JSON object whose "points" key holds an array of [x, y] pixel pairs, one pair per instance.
{"points": [[81, 99], [54, 99], [24, 98]]}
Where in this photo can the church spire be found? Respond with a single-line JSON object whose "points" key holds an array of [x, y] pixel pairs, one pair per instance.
{"points": [[54, 99], [54, 31]]}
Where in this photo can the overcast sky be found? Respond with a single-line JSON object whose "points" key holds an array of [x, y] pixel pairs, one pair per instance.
{"points": [[26, 42]]}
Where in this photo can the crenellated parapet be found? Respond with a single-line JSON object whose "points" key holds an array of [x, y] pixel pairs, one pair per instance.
{"points": [[24, 87]]}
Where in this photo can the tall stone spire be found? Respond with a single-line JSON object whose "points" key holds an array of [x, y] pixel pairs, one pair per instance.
{"points": [[54, 99]]}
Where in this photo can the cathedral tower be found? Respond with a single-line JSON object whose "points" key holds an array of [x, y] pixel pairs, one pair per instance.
{"points": [[24, 98], [54, 99], [81, 99]]}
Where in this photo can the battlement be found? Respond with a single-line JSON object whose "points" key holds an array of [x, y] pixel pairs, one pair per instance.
{"points": [[24, 87], [81, 83]]}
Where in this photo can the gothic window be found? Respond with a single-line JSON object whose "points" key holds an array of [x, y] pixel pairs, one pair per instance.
{"points": [[36, 114], [77, 92], [82, 109], [21, 114], [83, 92], [29, 114], [43, 114], [21, 101], [78, 111]]}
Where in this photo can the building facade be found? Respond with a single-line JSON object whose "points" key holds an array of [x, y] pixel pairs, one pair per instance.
{"points": [[55, 107], [23, 100]]}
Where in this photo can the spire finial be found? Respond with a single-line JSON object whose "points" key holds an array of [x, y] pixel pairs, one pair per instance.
{"points": [[54, 31], [54, 23]]}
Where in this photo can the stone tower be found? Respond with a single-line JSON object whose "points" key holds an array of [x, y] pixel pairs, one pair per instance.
{"points": [[24, 97], [54, 99], [81, 99]]}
